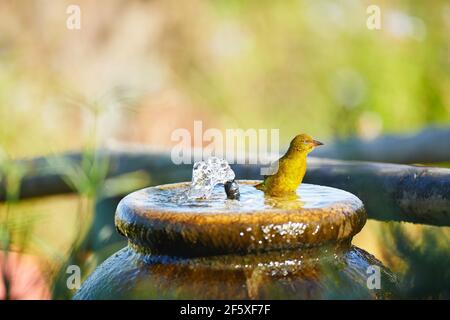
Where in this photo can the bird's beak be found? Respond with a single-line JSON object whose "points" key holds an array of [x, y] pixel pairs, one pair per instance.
{"points": [[317, 143]]}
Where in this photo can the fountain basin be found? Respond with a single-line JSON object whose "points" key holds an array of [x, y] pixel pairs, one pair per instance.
{"points": [[153, 219], [256, 248]]}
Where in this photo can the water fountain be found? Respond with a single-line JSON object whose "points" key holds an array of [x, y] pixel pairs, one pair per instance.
{"points": [[196, 241]]}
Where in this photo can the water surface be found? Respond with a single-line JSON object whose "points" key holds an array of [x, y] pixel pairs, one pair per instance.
{"points": [[308, 196]]}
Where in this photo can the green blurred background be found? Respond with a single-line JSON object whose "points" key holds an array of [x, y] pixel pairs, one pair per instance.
{"points": [[137, 70]]}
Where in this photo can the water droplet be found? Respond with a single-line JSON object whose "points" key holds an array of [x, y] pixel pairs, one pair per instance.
{"points": [[206, 175]]}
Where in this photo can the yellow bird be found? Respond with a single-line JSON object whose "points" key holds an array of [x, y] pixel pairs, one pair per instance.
{"points": [[291, 168]]}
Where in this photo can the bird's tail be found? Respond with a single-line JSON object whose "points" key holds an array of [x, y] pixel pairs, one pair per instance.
{"points": [[260, 186]]}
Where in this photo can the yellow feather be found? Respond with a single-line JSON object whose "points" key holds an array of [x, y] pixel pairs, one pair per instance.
{"points": [[291, 168]]}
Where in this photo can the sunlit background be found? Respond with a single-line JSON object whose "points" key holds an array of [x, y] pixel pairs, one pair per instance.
{"points": [[137, 70]]}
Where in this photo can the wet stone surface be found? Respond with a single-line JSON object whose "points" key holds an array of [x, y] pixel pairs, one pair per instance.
{"points": [[339, 273], [158, 220], [253, 248]]}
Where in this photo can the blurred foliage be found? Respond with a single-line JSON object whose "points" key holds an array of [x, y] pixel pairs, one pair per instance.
{"points": [[423, 260], [309, 65], [137, 70]]}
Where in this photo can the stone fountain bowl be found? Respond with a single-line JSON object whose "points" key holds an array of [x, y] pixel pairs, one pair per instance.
{"points": [[259, 247], [155, 222]]}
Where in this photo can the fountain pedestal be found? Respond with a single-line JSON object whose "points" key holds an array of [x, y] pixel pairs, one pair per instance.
{"points": [[256, 248]]}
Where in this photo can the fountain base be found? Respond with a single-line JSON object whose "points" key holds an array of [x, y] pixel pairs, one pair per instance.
{"points": [[256, 248], [308, 274]]}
